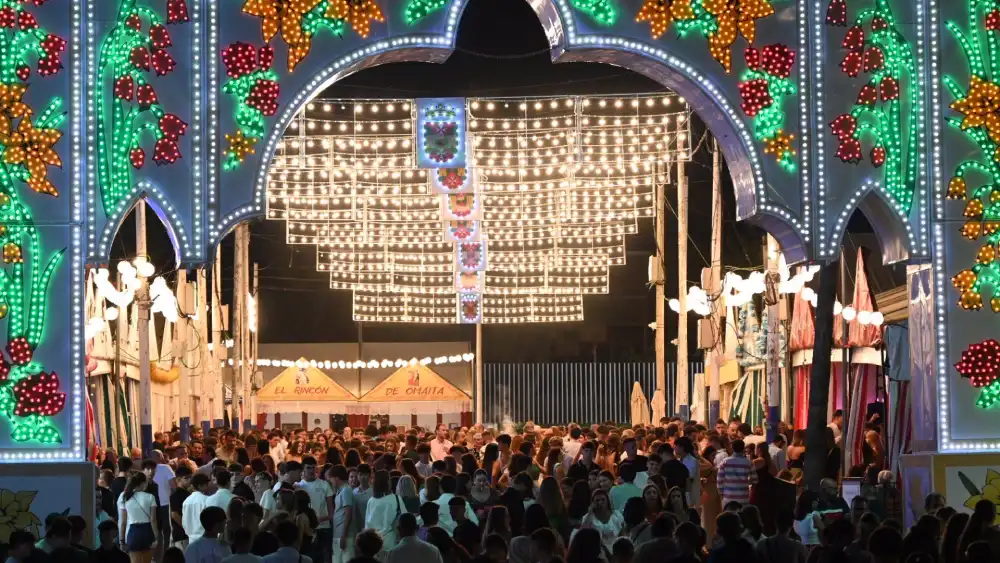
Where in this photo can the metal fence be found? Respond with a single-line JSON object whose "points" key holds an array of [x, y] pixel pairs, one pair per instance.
{"points": [[559, 393]]}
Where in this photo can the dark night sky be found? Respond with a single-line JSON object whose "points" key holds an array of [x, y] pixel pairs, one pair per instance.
{"points": [[501, 52]]}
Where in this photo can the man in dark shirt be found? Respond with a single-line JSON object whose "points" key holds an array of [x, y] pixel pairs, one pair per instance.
{"points": [[107, 551], [513, 499], [580, 470], [182, 478], [735, 548], [673, 470], [118, 484]]}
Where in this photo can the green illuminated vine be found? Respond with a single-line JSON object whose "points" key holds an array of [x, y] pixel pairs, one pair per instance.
{"points": [[130, 110], [417, 10], [977, 180], [29, 397], [602, 11], [878, 114]]}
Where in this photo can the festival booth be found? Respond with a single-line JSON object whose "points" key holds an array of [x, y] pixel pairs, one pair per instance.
{"points": [[302, 396], [748, 396], [415, 395]]}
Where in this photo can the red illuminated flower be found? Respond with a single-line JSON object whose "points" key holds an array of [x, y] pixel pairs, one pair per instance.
{"points": [[39, 394], [777, 60], [980, 363], [889, 88], [26, 21], [123, 87], [849, 150], [177, 11], [19, 351], [160, 37], [874, 59], [265, 57], [240, 59], [138, 157], [878, 156], [146, 96], [134, 22], [836, 13], [752, 57], [855, 38], [8, 17], [140, 58], [23, 72], [851, 65], [172, 126], [4, 369], [993, 20], [49, 65], [843, 126], [166, 151], [867, 96], [264, 97], [755, 96], [163, 63], [879, 24]]}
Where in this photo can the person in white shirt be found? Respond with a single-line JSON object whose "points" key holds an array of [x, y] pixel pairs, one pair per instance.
{"points": [[449, 485], [161, 477], [292, 474], [411, 549], [321, 501], [571, 446], [242, 541], [343, 514], [208, 548], [778, 452], [193, 505], [837, 425], [137, 524], [423, 463], [684, 450], [223, 496], [383, 510], [440, 445]]}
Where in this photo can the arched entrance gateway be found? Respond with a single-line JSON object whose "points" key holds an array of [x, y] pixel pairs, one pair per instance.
{"points": [[819, 107]]}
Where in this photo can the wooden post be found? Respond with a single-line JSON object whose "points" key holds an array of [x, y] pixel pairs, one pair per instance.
{"points": [[143, 306], [683, 399], [714, 357]]}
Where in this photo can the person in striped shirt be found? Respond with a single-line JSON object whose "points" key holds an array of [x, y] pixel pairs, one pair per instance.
{"points": [[736, 474]]}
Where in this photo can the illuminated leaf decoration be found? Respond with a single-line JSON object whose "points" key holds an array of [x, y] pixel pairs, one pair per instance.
{"points": [[733, 18], [661, 13], [763, 90], [601, 11], [417, 10], [287, 17], [883, 123], [359, 13], [255, 88], [28, 141]]}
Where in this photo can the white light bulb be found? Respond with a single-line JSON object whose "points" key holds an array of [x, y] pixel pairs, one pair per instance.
{"points": [[111, 314], [877, 318], [849, 313], [864, 317]]}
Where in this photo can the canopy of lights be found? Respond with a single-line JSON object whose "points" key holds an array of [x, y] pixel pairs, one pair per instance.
{"points": [[453, 210]]}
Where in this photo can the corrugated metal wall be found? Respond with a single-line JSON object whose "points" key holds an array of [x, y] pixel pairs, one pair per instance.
{"points": [[571, 392]]}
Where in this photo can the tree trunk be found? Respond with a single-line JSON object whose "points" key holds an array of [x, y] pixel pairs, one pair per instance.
{"points": [[819, 378]]}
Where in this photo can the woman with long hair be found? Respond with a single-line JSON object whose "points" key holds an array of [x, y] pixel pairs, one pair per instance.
{"points": [[711, 501], [305, 519], [294, 452], [469, 464], [432, 489], [137, 523], [603, 519], [234, 519], [795, 453], [552, 460], [808, 524], [753, 527], [497, 522], [333, 456], [551, 499], [653, 500], [384, 509], [352, 458], [406, 489], [491, 457], [952, 534], [463, 483], [579, 503], [677, 506], [983, 515], [535, 518]]}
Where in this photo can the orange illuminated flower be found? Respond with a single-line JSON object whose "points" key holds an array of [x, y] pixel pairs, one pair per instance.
{"points": [[33, 148], [11, 107], [661, 13], [733, 17], [285, 16], [240, 146], [981, 107], [359, 13]]}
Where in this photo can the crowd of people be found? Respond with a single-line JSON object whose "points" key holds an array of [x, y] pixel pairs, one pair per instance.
{"points": [[676, 492]]}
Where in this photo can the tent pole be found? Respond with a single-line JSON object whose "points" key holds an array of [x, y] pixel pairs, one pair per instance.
{"points": [[479, 373]]}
